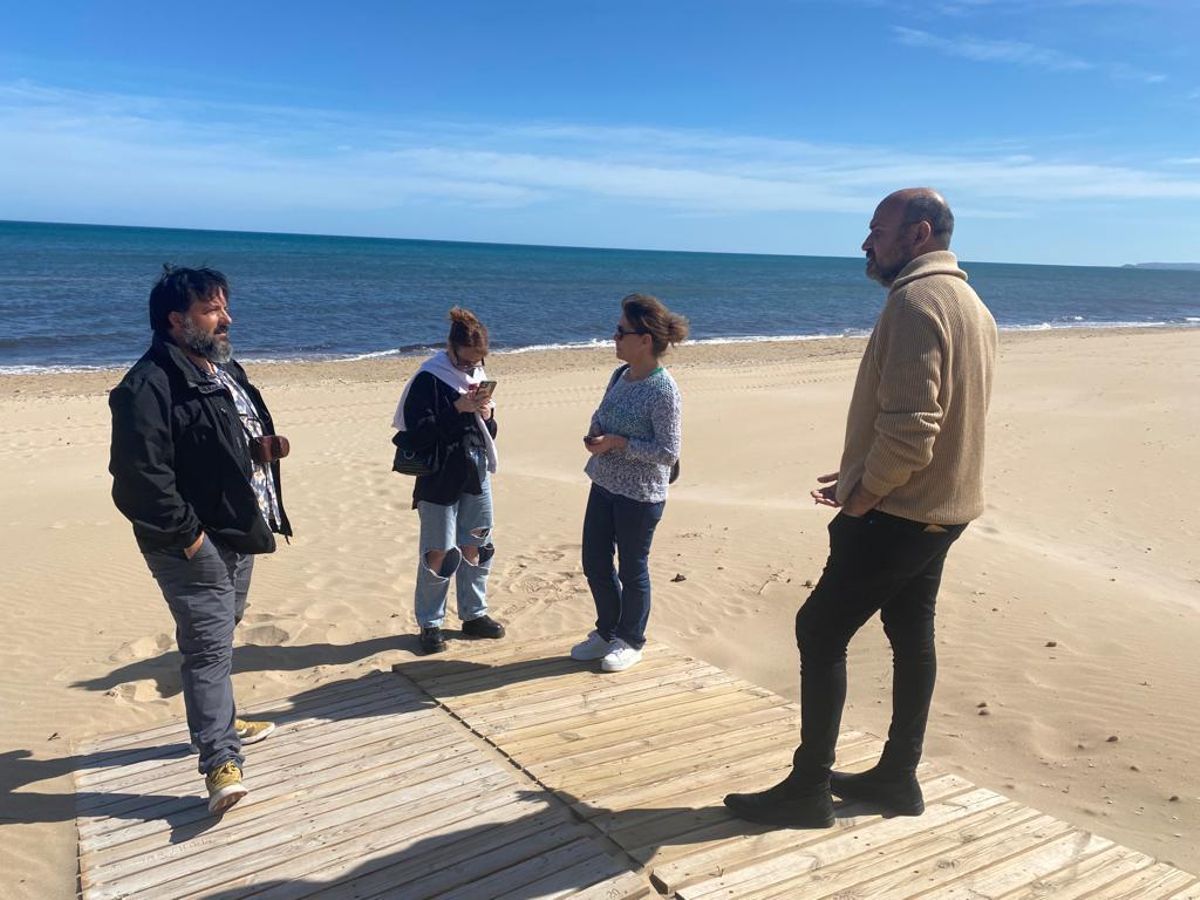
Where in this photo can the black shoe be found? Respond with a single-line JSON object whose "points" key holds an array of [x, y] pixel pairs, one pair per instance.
{"points": [[432, 640], [483, 627], [786, 804], [897, 794]]}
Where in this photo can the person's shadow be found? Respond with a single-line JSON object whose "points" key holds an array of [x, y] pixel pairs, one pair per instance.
{"points": [[163, 669], [547, 850], [186, 815], [448, 861]]}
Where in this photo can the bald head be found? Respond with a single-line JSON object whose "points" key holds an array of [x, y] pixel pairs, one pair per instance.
{"points": [[907, 224], [924, 204]]}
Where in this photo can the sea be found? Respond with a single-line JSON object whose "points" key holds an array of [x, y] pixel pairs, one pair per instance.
{"points": [[74, 296]]}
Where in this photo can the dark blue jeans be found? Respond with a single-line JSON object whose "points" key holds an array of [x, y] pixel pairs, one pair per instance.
{"points": [[877, 563], [622, 595]]}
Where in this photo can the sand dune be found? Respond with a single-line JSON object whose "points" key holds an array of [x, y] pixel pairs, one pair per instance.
{"points": [[1069, 619]]}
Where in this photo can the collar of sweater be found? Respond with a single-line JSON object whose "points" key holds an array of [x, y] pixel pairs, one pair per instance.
{"points": [[936, 262]]}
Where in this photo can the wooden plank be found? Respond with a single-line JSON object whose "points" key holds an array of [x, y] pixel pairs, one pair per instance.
{"points": [[151, 774], [699, 873], [409, 778], [1158, 880], [650, 705], [577, 864], [597, 738], [485, 678], [1084, 877], [604, 733], [172, 812], [704, 840], [454, 852], [704, 783], [410, 872], [395, 835], [508, 696], [597, 698], [230, 858], [349, 709], [630, 886], [514, 864], [1027, 867], [699, 756], [260, 810], [567, 882], [953, 858], [695, 757], [192, 817], [570, 761]]}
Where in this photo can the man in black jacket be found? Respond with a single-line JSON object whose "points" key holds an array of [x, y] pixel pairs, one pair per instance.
{"points": [[185, 418]]}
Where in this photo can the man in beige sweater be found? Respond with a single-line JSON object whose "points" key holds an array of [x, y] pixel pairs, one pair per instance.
{"points": [[909, 482]]}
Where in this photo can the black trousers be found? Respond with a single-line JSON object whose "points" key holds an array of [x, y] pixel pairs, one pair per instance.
{"points": [[877, 563]]}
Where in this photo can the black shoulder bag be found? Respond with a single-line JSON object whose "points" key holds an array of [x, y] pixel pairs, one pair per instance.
{"points": [[413, 461]]}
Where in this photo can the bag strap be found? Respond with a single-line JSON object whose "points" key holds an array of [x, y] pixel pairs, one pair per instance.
{"points": [[616, 376]]}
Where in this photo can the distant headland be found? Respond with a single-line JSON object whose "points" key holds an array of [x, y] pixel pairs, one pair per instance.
{"points": [[1183, 267]]}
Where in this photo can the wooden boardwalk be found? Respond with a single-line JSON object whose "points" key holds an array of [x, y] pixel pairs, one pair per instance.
{"points": [[507, 770]]}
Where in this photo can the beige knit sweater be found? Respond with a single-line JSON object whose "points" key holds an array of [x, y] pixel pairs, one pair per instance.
{"points": [[915, 430]]}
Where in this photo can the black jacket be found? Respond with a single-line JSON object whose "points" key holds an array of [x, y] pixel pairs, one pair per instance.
{"points": [[432, 420], [180, 462]]}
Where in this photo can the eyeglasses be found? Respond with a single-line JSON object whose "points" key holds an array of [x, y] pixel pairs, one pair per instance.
{"points": [[466, 365], [621, 332]]}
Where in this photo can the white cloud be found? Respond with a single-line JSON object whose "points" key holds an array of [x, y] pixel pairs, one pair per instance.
{"points": [[1019, 53], [67, 151], [981, 50]]}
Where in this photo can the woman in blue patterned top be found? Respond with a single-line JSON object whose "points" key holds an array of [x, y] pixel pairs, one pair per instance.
{"points": [[634, 440]]}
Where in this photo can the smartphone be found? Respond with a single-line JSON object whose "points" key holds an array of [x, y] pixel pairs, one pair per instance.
{"points": [[485, 389]]}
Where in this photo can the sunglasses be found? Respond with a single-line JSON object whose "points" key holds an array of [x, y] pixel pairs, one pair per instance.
{"points": [[621, 332]]}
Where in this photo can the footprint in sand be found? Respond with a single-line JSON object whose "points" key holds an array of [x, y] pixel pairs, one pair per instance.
{"points": [[142, 648], [265, 635], [136, 692]]}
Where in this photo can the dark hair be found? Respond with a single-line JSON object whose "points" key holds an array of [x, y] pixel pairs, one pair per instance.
{"points": [[932, 208], [648, 315], [178, 288], [466, 330]]}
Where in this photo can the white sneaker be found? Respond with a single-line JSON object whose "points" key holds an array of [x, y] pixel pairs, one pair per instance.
{"points": [[620, 657], [593, 648]]}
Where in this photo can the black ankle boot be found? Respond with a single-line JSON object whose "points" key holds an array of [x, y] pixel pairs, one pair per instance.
{"points": [[432, 641], [788, 804], [483, 627], [895, 793]]}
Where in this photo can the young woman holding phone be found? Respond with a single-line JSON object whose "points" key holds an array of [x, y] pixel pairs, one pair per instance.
{"points": [[444, 412]]}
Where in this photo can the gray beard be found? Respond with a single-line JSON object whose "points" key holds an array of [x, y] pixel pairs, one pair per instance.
{"points": [[213, 347]]}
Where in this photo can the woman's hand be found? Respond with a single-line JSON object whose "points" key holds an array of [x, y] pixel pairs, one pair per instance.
{"points": [[469, 403], [598, 444], [489, 409]]}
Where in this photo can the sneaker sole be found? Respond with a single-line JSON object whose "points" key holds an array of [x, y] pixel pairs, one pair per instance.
{"points": [[606, 667], [261, 736], [226, 797]]}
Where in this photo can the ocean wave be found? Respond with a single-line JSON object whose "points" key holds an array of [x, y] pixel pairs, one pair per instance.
{"points": [[1075, 323]]}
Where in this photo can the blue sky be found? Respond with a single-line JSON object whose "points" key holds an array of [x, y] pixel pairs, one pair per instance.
{"points": [[1061, 131]]}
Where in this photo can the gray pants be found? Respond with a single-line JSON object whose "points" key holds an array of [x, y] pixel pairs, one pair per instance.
{"points": [[207, 597]]}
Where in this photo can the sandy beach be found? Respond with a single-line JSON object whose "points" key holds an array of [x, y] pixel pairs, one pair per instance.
{"points": [[1069, 615]]}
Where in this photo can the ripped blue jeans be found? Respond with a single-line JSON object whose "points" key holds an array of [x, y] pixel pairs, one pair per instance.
{"points": [[465, 523]]}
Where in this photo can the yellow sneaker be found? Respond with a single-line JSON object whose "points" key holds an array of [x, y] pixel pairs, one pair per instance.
{"points": [[225, 787], [252, 732]]}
